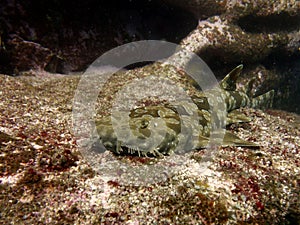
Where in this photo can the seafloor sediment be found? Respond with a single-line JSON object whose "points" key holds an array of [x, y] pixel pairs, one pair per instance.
{"points": [[45, 180]]}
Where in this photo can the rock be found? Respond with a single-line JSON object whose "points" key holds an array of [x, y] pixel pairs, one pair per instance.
{"points": [[255, 33], [242, 185], [48, 36], [28, 55], [78, 32], [262, 8], [237, 8], [218, 38], [247, 32]]}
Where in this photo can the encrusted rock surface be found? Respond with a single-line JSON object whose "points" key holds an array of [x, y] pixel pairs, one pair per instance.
{"points": [[44, 179], [217, 37], [238, 8], [77, 32], [247, 31], [257, 33], [233, 30]]}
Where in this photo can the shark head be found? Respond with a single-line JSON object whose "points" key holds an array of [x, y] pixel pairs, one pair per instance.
{"points": [[146, 131]]}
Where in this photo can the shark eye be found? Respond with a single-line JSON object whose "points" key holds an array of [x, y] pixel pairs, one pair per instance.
{"points": [[144, 124]]}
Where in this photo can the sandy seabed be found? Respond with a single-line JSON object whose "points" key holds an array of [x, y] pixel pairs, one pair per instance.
{"points": [[45, 180]]}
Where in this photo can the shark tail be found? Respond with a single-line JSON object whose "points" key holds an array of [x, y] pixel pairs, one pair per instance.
{"points": [[263, 101]]}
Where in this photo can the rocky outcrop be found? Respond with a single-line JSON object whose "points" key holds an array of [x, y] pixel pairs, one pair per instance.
{"points": [[50, 36], [63, 37], [261, 34], [237, 8], [43, 176], [45, 179], [218, 38], [247, 32]]}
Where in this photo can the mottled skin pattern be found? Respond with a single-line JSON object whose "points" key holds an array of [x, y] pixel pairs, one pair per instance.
{"points": [[168, 126]]}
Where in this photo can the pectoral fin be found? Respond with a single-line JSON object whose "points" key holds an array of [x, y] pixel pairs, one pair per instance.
{"points": [[229, 139], [237, 117], [202, 142], [233, 140]]}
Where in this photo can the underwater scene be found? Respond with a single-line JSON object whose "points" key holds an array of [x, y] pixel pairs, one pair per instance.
{"points": [[150, 112]]}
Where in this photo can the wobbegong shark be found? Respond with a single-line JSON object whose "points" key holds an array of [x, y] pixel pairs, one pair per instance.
{"points": [[167, 122]]}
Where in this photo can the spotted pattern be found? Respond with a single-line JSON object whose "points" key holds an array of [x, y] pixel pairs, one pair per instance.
{"points": [[158, 130]]}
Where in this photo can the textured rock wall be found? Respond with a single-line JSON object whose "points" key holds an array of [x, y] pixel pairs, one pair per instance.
{"points": [[67, 36], [263, 35], [63, 37]]}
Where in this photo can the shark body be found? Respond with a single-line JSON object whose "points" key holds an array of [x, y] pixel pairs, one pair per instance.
{"points": [[158, 130]]}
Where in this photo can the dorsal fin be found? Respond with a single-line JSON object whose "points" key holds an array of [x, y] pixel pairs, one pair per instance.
{"points": [[229, 81]]}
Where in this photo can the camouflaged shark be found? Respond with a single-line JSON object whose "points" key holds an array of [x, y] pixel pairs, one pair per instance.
{"points": [[168, 125]]}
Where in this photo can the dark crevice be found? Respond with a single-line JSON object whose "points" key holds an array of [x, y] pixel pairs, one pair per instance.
{"points": [[282, 74], [77, 32], [287, 90], [269, 24]]}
